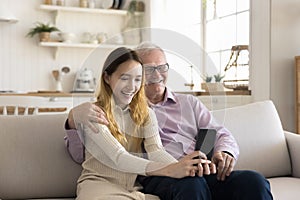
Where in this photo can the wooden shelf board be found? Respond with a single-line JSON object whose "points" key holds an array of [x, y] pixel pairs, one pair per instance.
{"points": [[81, 45]]}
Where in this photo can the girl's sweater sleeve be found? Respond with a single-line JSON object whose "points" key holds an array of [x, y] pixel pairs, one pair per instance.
{"points": [[107, 149]]}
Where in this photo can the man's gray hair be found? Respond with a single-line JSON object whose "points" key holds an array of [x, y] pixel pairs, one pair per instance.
{"points": [[145, 47]]}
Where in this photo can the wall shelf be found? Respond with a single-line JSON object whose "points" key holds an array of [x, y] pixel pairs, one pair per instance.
{"points": [[58, 45], [82, 45], [53, 8], [59, 13]]}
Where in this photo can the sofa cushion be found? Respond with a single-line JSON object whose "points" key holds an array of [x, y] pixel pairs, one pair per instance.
{"points": [[259, 133], [34, 162], [293, 141], [285, 188]]}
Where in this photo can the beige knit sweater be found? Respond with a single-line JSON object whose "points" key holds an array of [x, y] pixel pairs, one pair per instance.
{"points": [[107, 160]]}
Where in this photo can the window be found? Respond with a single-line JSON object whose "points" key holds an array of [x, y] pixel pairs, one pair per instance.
{"points": [[226, 24], [216, 27]]}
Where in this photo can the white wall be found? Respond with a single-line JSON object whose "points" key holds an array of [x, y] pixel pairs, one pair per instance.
{"points": [[285, 45], [260, 27], [275, 42], [23, 65]]}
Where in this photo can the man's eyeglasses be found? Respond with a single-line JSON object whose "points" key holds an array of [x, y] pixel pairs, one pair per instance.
{"points": [[160, 68]]}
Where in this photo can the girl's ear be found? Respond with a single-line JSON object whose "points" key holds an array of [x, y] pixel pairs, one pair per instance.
{"points": [[106, 77]]}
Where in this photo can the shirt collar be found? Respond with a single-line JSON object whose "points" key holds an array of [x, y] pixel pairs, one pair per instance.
{"points": [[169, 97]]}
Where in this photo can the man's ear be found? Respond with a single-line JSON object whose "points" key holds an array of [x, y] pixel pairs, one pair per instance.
{"points": [[106, 77]]}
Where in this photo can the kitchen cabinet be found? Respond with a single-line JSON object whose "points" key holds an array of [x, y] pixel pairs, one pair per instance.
{"points": [[45, 100], [79, 20]]}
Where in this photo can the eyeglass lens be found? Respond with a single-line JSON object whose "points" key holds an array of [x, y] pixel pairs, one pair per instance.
{"points": [[159, 68]]}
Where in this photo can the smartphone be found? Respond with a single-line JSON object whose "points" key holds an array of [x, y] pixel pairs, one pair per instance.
{"points": [[205, 141]]}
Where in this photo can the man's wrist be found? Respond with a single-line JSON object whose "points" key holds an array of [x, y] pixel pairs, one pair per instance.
{"points": [[228, 153], [67, 125]]}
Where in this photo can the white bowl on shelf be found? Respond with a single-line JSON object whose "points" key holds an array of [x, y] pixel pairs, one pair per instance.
{"points": [[106, 4], [67, 37]]}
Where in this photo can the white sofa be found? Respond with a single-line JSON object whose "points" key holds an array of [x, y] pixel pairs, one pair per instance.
{"points": [[34, 162], [265, 146]]}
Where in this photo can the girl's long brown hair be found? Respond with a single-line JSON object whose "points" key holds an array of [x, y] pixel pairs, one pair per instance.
{"points": [[138, 106]]}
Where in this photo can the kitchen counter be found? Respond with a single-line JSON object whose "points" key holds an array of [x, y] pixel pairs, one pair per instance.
{"points": [[49, 94], [218, 93], [62, 94], [213, 100]]}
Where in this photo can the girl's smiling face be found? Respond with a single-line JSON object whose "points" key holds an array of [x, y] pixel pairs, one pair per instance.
{"points": [[125, 82]]}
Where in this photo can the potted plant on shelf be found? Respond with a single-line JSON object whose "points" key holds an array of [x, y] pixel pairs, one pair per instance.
{"points": [[207, 80], [218, 77], [213, 87], [43, 30]]}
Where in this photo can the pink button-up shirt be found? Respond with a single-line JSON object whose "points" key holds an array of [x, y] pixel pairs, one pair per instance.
{"points": [[180, 116]]}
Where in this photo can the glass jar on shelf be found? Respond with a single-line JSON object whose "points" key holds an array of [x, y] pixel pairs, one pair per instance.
{"points": [[48, 2], [60, 2], [83, 3], [92, 4]]}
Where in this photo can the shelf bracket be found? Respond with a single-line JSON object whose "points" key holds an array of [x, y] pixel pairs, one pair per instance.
{"points": [[56, 53], [56, 16]]}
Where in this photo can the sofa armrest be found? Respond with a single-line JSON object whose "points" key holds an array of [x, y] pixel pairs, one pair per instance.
{"points": [[293, 142]]}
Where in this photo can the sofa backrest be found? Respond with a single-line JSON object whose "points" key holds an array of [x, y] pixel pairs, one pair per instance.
{"points": [[259, 133], [34, 162]]}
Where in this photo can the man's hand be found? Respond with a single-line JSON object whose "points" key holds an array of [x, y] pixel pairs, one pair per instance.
{"points": [[224, 163], [205, 167], [86, 113]]}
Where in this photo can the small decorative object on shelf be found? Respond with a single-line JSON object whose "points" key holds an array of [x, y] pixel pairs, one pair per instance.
{"points": [[131, 32], [136, 6], [43, 30], [60, 2], [217, 86], [83, 3], [92, 4], [106, 4], [67, 37], [236, 84], [213, 87], [191, 83], [48, 2], [140, 6], [101, 37]]}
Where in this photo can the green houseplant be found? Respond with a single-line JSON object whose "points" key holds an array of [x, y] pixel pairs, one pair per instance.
{"points": [[207, 78], [218, 77], [43, 30], [217, 86]]}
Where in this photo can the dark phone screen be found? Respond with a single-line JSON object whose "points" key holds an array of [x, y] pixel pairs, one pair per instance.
{"points": [[205, 141]]}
